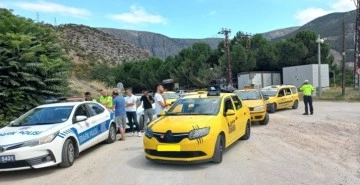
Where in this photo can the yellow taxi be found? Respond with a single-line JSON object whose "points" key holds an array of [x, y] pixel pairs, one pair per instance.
{"points": [[254, 99], [281, 97], [197, 128], [170, 97]]}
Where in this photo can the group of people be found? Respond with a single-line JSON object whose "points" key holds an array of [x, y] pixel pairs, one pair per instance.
{"points": [[125, 107]]}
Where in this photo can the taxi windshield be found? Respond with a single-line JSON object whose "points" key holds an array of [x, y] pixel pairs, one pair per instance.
{"points": [[249, 95], [195, 106], [171, 96], [269, 92], [44, 116]]}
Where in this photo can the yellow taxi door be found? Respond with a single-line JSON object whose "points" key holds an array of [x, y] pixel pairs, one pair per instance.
{"points": [[281, 99], [230, 120], [240, 116], [288, 97]]}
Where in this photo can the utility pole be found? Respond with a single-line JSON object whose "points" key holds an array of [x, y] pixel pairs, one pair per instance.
{"points": [[319, 41], [357, 47], [226, 32], [37, 17], [343, 63]]}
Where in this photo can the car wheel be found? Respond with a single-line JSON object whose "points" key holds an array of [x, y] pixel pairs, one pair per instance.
{"points": [[141, 122], [112, 134], [272, 108], [68, 153], [219, 148], [246, 136], [266, 120], [296, 104]]}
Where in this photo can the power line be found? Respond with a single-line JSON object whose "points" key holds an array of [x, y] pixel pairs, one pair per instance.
{"points": [[226, 32]]}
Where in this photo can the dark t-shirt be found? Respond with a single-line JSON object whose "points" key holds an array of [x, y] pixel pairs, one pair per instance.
{"points": [[146, 102]]}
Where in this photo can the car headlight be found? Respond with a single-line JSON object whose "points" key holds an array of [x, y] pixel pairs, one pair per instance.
{"points": [[149, 133], [43, 140], [198, 133], [259, 108]]}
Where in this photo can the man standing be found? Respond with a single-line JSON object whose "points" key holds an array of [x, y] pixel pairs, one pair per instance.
{"points": [[159, 100], [88, 97], [130, 101], [106, 100], [147, 101], [120, 113], [307, 90]]}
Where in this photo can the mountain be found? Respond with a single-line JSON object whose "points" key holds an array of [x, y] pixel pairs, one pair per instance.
{"points": [[279, 33], [88, 44], [159, 45], [330, 27]]}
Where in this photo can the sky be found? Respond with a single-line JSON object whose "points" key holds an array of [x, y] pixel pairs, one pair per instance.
{"points": [[180, 18]]}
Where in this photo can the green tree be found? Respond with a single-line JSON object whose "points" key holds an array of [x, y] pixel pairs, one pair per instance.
{"points": [[32, 65]]}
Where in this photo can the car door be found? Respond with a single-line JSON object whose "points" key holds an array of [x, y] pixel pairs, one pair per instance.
{"points": [[230, 119], [84, 128], [288, 97], [281, 99], [240, 116], [100, 119]]}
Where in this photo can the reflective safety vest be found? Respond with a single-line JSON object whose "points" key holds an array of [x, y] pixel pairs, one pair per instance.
{"points": [[307, 89], [107, 100]]}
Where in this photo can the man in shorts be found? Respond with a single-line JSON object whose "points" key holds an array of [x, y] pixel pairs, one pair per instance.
{"points": [[120, 113]]}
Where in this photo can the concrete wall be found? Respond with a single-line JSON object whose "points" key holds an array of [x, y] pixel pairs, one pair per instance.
{"points": [[296, 75], [258, 79]]}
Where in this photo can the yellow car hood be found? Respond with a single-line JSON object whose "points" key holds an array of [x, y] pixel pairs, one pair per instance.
{"points": [[180, 124], [253, 103]]}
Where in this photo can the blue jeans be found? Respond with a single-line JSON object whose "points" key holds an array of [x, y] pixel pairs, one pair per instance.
{"points": [[132, 118]]}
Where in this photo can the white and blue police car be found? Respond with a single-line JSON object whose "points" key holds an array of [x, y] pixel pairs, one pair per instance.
{"points": [[54, 134]]}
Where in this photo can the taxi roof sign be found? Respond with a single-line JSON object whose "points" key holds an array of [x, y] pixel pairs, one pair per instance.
{"points": [[213, 90]]}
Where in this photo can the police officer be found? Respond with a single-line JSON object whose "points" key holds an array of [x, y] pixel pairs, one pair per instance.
{"points": [[307, 90], [105, 99], [88, 97]]}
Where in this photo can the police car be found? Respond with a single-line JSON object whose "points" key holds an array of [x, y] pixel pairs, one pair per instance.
{"points": [[54, 134], [198, 128]]}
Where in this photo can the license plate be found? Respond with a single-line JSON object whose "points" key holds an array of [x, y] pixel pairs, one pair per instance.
{"points": [[168, 148], [7, 158]]}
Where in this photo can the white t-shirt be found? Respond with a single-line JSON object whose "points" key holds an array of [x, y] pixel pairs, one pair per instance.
{"points": [[158, 108], [130, 99]]}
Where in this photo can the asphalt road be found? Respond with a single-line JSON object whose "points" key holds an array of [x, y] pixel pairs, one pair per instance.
{"points": [[293, 149]]}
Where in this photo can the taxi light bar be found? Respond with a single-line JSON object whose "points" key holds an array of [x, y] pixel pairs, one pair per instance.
{"points": [[213, 90]]}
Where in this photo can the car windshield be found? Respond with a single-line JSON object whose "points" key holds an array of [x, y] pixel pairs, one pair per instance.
{"points": [[269, 92], [44, 116], [195, 106], [171, 96], [249, 95]]}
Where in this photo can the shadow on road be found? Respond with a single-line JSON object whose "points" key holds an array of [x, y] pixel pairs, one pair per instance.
{"points": [[12, 176], [139, 162]]}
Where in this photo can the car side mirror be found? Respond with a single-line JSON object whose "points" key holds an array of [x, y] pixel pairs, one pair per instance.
{"points": [[80, 118], [266, 98], [230, 112]]}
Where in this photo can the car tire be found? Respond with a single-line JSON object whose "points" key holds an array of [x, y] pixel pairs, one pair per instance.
{"points": [[266, 120], [296, 104], [141, 122], [112, 134], [68, 154], [272, 108], [219, 149], [246, 136]]}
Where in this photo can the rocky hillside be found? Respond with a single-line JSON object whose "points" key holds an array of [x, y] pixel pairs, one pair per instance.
{"points": [[330, 27], [159, 45], [86, 44], [279, 33]]}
